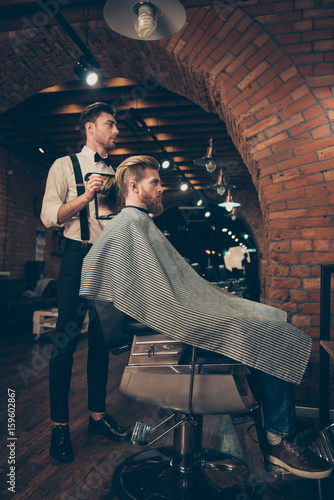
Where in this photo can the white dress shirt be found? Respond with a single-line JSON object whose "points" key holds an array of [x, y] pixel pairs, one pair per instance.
{"points": [[61, 188]]}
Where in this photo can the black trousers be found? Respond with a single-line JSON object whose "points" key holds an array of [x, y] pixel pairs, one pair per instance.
{"points": [[71, 313]]}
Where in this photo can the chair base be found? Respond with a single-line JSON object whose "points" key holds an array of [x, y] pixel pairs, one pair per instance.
{"points": [[150, 475]]}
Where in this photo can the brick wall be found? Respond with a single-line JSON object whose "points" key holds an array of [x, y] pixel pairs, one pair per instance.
{"points": [[21, 189]]}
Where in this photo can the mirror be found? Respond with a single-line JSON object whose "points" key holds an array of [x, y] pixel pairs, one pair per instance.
{"points": [[106, 200]]}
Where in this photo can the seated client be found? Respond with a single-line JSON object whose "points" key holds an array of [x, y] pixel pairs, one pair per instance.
{"points": [[135, 267]]}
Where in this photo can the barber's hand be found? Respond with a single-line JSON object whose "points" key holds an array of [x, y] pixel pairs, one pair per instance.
{"points": [[94, 183]]}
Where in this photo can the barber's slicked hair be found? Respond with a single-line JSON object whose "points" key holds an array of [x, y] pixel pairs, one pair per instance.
{"points": [[133, 168], [91, 113]]}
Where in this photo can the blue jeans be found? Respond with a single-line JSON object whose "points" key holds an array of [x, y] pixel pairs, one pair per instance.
{"points": [[278, 403]]}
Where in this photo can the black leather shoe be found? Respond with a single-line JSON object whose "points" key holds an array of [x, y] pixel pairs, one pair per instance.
{"points": [[61, 448], [108, 427]]}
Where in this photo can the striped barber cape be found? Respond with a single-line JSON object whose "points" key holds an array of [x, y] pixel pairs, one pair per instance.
{"points": [[134, 266]]}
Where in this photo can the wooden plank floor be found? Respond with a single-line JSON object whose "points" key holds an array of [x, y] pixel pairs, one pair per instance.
{"points": [[24, 368]]}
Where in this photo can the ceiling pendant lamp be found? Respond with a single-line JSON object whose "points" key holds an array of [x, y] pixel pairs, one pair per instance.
{"points": [[229, 204], [208, 161], [149, 20], [233, 215], [222, 183]]}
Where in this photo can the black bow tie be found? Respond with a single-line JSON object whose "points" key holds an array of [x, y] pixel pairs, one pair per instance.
{"points": [[98, 158]]}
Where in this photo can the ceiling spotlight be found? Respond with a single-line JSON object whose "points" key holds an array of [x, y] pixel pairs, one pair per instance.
{"points": [[228, 204], [198, 200], [184, 186], [145, 20], [166, 163], [84, 71], [208, 161]]}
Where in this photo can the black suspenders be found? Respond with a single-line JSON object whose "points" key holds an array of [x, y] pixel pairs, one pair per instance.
{"points": [[80, 190]]}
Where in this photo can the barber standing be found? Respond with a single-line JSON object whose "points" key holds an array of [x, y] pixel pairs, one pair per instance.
{"points": [[69, 202]]}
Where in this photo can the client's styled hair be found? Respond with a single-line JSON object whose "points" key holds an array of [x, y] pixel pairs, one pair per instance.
{"points": [[133, 168]]}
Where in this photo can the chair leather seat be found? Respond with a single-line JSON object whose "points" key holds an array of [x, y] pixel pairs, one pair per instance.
{"points": [[159, 371]]}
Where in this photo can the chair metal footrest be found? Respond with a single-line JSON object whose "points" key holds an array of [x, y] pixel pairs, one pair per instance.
{"points": [[142, 431]]}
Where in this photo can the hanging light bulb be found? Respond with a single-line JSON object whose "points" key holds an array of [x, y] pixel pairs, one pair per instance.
{"points": [[228, 204], [208, 161], [146, 20], [222, 183], [210, 165]]}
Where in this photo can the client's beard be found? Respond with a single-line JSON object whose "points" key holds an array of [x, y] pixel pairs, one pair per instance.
{"points": [[154, 206]]}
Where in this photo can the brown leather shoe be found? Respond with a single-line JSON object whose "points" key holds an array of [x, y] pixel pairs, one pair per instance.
{"points": [[293, 456]]}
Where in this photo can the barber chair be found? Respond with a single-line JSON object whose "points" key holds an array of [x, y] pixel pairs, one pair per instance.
{"points": [[189, 382]]}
